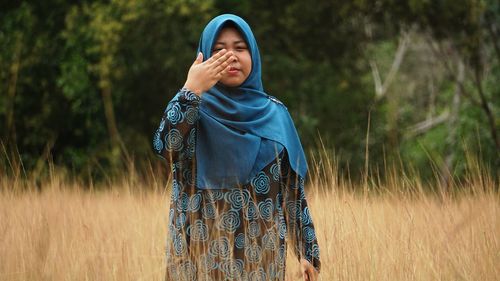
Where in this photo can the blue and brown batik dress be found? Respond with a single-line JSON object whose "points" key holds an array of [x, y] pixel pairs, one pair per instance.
{"points": [[229, 234]]}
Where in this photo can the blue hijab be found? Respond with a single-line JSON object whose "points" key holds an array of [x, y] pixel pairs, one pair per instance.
{"points": [[241, 129]]}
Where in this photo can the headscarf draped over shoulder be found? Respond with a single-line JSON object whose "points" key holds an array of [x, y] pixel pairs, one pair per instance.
{"points": [[241, 129]]}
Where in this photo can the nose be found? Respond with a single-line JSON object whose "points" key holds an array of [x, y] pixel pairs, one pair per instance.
{"points": [[234, 57]]}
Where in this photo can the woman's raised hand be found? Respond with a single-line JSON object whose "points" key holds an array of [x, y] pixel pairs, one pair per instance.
{"points": [[203, 75]]}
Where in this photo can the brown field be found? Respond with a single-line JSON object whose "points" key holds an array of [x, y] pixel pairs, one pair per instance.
{"points": [[396, 231]]}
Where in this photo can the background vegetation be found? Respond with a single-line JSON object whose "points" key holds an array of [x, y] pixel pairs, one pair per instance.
{"points": [[397, 103], [83, 84]]}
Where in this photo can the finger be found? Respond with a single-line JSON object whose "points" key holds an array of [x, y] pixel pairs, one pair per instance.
{"points": [[312, 274], [199, 58], [221, 73], [216, 56], [221, 59], [224, 65]]}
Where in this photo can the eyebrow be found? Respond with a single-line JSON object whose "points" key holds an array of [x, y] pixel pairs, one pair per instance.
{"points": [[235, 42]]}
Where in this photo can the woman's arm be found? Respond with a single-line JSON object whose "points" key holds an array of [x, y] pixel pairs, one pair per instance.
{"points": [[301, 232], [175, 138]]}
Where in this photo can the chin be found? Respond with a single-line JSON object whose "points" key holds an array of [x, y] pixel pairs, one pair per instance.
{"points": [[231, 83]]}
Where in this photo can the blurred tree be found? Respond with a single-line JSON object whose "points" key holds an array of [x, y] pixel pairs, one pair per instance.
{"points": [[85, 82]]}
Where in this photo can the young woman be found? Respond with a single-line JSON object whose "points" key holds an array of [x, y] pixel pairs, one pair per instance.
{"points": [[238, 168]]}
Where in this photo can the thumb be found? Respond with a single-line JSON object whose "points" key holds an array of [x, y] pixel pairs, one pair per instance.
{"points": [[199, 58]]}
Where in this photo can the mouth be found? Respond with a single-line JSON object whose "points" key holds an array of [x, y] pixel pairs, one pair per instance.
{"points": [[233, 70]]}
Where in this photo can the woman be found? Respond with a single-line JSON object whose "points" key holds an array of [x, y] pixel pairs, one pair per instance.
{"points": [[238, 168]]}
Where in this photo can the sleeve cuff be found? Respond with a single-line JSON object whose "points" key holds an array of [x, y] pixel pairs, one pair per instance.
{"points": [[187, 95]]}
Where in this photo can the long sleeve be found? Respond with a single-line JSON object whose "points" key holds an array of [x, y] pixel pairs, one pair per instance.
{"points": [[300, 227], [175, 138]]}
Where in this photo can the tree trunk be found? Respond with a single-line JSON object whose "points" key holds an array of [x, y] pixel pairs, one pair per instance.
{"points": [[113, 132], [486, 109], [10, 132], [447, 168]]}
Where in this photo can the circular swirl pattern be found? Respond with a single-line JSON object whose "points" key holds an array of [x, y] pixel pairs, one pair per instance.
{"points": [[309, 234], [198, 231], [194, 203], [190, 96], [279, 203], [171, 228], [260, 183], [180, 221], [266, 209], [279, 275], [271, 272], [162, 125], [174, 114], [258, 275], [187, 271], [188, 176], [237, 198], [177, 165], [208, 211], [297, 182], [313, 251], [282, 228], [176, 189], [173, 140], [207, 263], [306, 216], [213, 195], [219, 247], [282, 252], [253, 229], [269, 240], [172, 271], [170, 216], [179, 244], [253, 253], [182, 204], [170, 104], [293, 209], [191, 114], [239, 241], [229, 221], [250, 212], [302, 195], [191, 145], [157, 143], [275, 171], [233, 269]]}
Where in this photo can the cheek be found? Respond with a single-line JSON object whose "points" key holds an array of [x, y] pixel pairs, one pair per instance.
{"points": [[247, 60]]}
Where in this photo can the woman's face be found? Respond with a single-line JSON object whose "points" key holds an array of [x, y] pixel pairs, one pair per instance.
{"points": [[230, 39]]}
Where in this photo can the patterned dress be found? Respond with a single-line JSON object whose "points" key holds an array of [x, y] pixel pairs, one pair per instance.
{"points": [[229, 234]]}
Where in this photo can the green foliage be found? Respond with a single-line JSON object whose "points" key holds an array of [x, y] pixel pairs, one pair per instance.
{"points": [[59, 59]]}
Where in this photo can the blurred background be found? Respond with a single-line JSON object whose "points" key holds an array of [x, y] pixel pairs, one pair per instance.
{"points": [[410, 84]]}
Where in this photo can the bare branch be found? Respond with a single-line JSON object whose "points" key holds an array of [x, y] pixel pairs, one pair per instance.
{"points": [[381, 87], [426, 125], [444, 58]]}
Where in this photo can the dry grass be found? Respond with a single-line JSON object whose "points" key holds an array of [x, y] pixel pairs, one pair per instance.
{"points": [[396, 232]]}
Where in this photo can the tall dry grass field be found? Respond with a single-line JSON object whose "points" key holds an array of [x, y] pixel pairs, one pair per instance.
{"points": [[394, 231]]}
